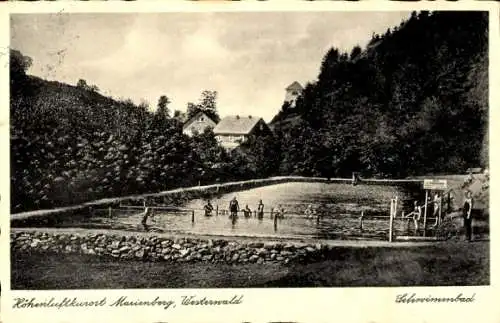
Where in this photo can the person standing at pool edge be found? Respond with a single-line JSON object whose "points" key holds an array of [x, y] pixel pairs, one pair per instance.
{"points": [[234, 207], [437, 208], [467, 209], [145, 216], [416, 215]]}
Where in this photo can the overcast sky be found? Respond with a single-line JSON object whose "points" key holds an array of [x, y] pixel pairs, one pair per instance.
{"points": [[249, 58]]}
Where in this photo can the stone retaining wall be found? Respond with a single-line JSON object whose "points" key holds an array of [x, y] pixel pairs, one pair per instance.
{"points": [[154, 248]]}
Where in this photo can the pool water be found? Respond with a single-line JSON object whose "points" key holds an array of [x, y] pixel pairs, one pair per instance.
{"points": [[339, 204]]}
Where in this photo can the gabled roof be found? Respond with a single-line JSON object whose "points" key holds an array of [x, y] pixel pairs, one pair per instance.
{"points": [[237, 125], [193, 118], [294, 86]]}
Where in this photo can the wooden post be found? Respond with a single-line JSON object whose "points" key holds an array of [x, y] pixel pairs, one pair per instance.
{"points": [[425, 212], [361, 221], [254, 214], [144, 203], [415, 230], [272, 212], [110, 212], [391, 219], [216, 209], [440, 209], [392, 207], [395, 206], [192, 216], [275, 223]]}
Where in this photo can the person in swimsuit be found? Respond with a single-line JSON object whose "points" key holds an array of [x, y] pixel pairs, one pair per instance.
{"points": [[416, 214], [247, 212], [309, 212], [260, 209], [468, 180], [280, 213], [466, 212], [437, 208], [145, 216], [208, 209], [234, 207], [283, 211]]}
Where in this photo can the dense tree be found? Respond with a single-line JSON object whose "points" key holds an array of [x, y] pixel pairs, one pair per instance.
{"points": [[19, 65], [191, 110], [162, 108], [206, 104], [179, 116], [413, 102], [82, 84], [355, 52], [85, 86]]}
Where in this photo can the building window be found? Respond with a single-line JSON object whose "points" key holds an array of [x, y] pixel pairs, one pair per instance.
{"points": [[295, 93]]}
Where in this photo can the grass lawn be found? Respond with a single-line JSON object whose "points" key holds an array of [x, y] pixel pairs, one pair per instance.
{"points": [[451, 263]]}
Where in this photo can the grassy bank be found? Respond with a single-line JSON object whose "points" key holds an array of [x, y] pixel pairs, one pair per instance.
{"points": [[453, 263]]}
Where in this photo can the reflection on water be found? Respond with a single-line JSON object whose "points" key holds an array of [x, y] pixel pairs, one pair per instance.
{"points": [[339, 204]]}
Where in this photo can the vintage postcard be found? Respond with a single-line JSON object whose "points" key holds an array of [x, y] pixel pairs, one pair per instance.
{"points": [[249, 162]]}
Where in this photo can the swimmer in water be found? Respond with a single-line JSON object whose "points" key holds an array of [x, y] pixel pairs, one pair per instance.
{"points": [[280, 214], [247, 212], [260, 209], [208, 209], [234, 207], [309, 212]]}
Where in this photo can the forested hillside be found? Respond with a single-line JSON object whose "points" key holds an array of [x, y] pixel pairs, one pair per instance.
{"points": [[70, 144], [414, 102]]}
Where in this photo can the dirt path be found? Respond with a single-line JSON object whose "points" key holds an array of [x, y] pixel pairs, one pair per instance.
{"points": [[298, 242]]}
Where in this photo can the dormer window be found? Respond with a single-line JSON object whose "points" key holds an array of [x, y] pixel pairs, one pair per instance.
{"points": [[295, 93]]}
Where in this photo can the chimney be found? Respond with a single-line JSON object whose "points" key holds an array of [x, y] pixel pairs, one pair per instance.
{"points": [[238, 117]]}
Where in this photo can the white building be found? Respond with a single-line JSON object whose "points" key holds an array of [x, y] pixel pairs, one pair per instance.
{"points": [[197, 124], [232, 131], [293, 91]]}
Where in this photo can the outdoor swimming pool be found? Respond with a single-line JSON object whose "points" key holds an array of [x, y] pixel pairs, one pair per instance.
{"points": [[341, 205]]}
